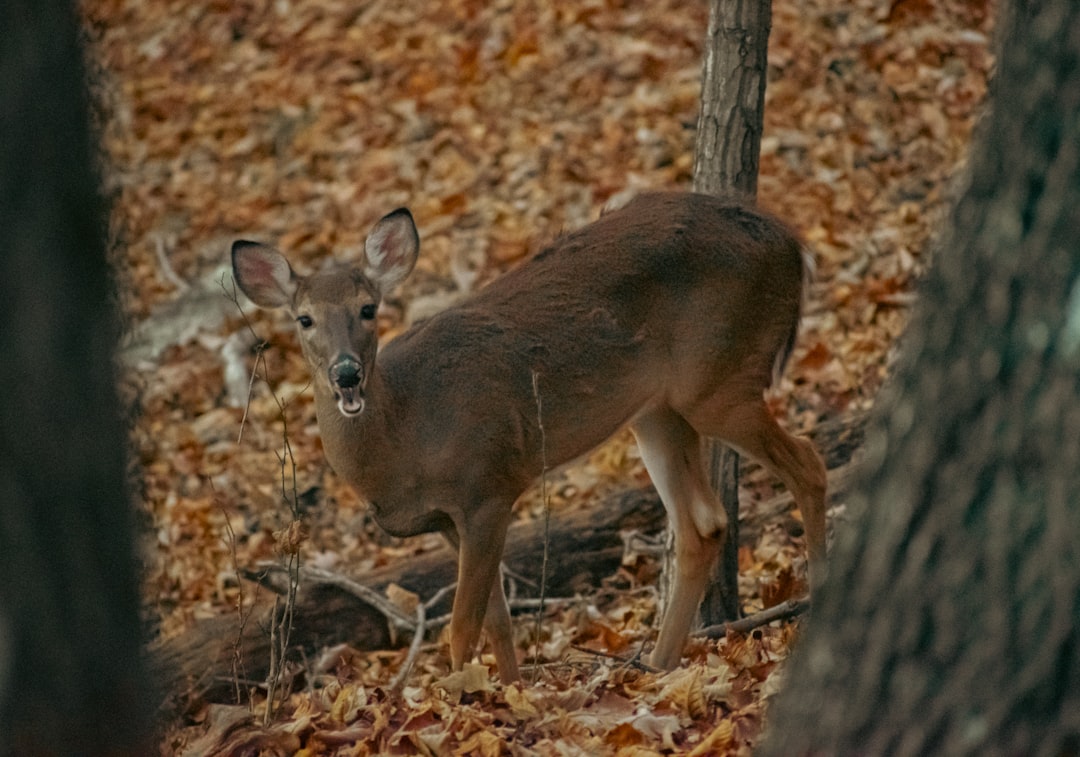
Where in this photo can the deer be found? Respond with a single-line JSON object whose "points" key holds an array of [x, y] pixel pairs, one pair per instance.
{"points": [[672, 315]]}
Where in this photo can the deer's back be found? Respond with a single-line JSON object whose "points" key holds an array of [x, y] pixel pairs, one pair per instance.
{"points": [[662, 301]]}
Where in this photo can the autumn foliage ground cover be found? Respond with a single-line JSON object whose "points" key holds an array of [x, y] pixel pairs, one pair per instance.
{"points": [[499, 124]]}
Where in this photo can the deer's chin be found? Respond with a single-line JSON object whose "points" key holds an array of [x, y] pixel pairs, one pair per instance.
{"points": [[349, 401]]}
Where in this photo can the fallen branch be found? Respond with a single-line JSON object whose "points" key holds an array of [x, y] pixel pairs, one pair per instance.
{"points": [[783, 611], [398, 683], [270, 575], [634, 661]]}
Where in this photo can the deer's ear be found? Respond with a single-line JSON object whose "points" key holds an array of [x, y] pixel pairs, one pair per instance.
{"points": [[263, 274], [391, 249]]}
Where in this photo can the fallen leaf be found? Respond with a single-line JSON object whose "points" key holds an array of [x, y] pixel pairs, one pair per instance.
{"points": [[470, 679], [520, 705]]}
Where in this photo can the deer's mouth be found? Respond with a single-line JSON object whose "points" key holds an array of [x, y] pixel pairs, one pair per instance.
{"points": [[349, 401], [346, 380]]}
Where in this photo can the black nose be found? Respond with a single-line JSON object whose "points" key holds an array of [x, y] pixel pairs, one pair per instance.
{"points": [[346, 374]]}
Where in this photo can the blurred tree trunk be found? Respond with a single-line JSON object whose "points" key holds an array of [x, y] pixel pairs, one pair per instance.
{"points": [[725, 160], [950, 621], [70, 682]]}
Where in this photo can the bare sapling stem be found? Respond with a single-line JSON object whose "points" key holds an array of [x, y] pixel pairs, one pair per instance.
{"points": [[289, 542], [547, 521], [243, 611], [260, 349], [289, 539]]}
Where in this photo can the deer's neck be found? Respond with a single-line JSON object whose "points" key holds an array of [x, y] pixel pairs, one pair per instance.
{"points": [[375, 455], [358, 448]]}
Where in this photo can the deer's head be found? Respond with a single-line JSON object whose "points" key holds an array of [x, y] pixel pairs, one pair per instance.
{"points": [[334, 310]]}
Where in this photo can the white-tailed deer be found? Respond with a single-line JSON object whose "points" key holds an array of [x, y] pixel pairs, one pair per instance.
{"points": [[670, 315]]}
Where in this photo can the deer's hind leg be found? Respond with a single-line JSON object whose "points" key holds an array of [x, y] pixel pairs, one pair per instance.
{"points": [[749, 427], [672, 452]]}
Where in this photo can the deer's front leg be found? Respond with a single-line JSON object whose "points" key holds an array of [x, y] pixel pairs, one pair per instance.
{"points": [[480, 538], [500, 631]]}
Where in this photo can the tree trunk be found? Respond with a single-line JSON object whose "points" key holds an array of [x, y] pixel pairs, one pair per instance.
{"points": [[70, 682], [726, 159], [950, 621], [732, 97]]}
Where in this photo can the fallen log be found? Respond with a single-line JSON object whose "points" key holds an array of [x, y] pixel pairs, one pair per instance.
{"points": [[220, 658]]}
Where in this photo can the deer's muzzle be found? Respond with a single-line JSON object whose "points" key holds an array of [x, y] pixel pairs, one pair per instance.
{"points": [[347, 380]]}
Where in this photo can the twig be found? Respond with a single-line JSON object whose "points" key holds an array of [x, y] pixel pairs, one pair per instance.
{"points": [[514, 576], [259, 360], [238, 669], [260, 348], [439, 595], [525, 603], [289, 545], [547, 518], [515, 604], [365, 594], [392, 612], [275, 662], [783, 611], [398, 683], [629, 662]]}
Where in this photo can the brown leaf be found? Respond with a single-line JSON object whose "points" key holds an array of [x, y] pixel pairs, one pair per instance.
{"points": [[623, 735], [782, 588]]}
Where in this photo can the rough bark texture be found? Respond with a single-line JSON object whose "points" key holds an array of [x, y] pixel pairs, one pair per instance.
{"points": [[69, 633], [726, 159], [950, 623], [732, 97]]}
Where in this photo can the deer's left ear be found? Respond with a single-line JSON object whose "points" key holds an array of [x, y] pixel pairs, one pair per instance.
{"points": [[391, 249]]}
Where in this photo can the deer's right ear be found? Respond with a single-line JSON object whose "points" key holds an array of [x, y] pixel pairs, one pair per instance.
{"points": [[263, 274], [391, 249]]}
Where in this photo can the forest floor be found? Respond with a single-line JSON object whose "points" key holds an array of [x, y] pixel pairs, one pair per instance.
{"points": [[500, 124]]}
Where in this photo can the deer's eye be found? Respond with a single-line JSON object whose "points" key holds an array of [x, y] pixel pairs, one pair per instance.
{"points": [[305, 321], [367, 312]]}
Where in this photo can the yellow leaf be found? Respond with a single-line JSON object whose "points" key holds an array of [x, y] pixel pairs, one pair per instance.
{"points": [[471, 679], [519, 702], [716, 741], [685, 690], [347, 705], [484, 743]]}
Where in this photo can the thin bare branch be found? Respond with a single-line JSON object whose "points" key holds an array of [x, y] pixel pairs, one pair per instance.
{"points": [[783, 611], [414, 650], [547, 515]]}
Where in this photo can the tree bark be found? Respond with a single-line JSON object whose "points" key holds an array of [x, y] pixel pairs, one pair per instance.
{"points": [[70, 678], [725, 160], [732, 97], [950, 622]]}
